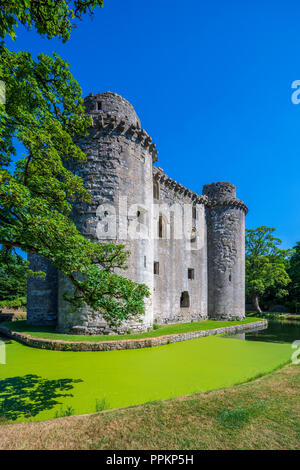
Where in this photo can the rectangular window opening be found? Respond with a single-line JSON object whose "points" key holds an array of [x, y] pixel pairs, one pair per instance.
{"points": [[156, 267], [191, 273]]}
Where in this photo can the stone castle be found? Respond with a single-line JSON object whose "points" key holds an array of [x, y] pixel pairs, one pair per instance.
{"points": [[194, 275]]}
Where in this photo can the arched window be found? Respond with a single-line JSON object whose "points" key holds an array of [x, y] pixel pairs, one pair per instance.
{"points": [[162, 227], [156, 190], [193, 236], [184, 299]]}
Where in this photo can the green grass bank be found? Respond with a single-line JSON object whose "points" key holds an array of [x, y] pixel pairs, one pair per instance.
{"points": [[41, 384], [263, 414], [48, 332]]}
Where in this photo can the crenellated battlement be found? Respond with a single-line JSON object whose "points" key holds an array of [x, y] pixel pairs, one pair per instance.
{"points": [[115, 115], [223, 194], [208, 198], [236, 203], [181, 191]]}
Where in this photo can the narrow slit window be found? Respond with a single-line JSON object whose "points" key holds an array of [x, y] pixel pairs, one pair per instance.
{"points": [[194, 212], [99, 105], [160, 227], [156, 267], [156, 190], [145, 262]]}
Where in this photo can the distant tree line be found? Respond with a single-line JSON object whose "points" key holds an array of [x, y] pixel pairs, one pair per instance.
{"points": [[272, 274]]}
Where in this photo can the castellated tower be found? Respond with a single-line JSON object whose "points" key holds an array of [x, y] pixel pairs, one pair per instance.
{"points": [[118, 175], [226, 252]]}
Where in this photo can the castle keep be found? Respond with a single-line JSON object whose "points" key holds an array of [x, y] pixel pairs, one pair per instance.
{"points": [[188, 248]]}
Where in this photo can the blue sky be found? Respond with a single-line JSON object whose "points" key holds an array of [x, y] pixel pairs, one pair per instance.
{"points": [[211, 83]]}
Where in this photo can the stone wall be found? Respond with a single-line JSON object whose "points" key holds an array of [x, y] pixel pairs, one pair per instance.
{"points": [[58, 345], [177, 255], [42, 293]]}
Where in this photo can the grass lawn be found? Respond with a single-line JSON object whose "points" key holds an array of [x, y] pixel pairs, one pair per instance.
{"points": [[263, 414], [48, 332], [41, 384]]}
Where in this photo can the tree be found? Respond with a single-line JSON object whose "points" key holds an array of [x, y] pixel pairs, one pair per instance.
{"points": [[13, 275], [266, 264], [294, 273], [51, 18], [44, 111]]}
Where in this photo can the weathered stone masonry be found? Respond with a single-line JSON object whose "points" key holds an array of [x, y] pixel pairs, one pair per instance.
{"points": [[193, 277]]}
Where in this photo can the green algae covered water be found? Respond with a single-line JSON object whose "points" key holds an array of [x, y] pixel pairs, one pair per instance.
{"points": [[39, 384]]}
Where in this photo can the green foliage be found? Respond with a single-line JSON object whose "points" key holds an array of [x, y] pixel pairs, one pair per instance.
{"points": [[102, 405], [294, 273], [15, 303], [44, 111], [13, 277], [266, 264], [51, 18], [63, 412]]}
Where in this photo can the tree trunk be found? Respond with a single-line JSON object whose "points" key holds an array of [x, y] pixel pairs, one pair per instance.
{"points": [[256, 303]]}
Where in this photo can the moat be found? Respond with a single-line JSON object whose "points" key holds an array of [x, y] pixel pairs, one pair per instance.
{"points": [[277, 331]]}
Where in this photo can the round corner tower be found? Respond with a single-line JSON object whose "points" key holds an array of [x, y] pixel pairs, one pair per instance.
{"points": [[118, 176], [226, 252]]}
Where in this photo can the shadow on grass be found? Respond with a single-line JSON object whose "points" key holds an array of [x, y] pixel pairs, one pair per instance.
{"points": [[29, 395], [22, 326], [5, 340]]}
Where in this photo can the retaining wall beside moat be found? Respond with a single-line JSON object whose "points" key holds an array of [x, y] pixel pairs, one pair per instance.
{"points": [[115, 345]]}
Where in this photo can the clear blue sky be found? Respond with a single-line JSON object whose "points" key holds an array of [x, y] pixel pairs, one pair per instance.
{"points": [[211, 83]]}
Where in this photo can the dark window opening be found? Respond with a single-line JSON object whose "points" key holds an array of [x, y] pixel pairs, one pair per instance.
{"points": [[145, 262], [230, 277], [191, 273], [99, 105], [193, 236], [156, 190], [156, 267], [160, 226], [194, 212], [185, 299]]}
